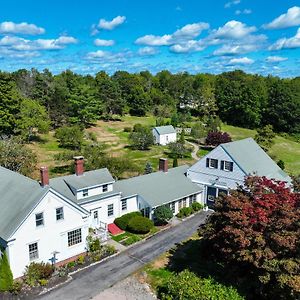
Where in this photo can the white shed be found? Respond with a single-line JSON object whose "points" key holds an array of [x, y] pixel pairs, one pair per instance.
{"points": [[164, 135]]}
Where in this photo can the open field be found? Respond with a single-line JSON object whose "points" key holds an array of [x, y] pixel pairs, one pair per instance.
{"points": [[112, 134]]}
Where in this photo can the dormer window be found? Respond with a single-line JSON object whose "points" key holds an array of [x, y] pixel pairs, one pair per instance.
{"points": [[212, 163], [104, 188], [85, 193], [227, 165]]}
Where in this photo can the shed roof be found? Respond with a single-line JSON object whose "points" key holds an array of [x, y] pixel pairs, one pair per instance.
{"points": [[19, 195], [160, 187], [165, 129]]}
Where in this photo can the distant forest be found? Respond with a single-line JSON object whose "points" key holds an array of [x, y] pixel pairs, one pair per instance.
{"points": [[33, 99]]}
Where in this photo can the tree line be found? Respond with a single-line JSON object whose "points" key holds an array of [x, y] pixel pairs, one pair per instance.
{"points": [[36, 101]]}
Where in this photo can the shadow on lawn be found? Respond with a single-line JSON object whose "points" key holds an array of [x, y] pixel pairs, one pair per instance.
{"points": [[191, 255]]}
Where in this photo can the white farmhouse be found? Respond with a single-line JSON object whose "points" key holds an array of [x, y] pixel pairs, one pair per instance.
{"points": [[49, 221], [227, 165], [164, 135]]}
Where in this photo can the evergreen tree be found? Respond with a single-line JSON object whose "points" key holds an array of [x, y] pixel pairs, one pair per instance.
{"points": [[175, 162], [6, 277], [148, 168]]}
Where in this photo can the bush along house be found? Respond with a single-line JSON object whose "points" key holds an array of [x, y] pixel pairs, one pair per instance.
{"points": [[49, 220], [227, 165]]}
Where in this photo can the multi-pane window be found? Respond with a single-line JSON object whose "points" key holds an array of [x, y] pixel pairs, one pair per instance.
{"points": [[110, 210], [59, 213], [124, 204], [74, 237], [33, 251], [39, 219], [172, 206], [179, 204], [104, 188], [192, 199], [96, 214], [184, 202], [85, 193], [213, 163], [227, 165]]}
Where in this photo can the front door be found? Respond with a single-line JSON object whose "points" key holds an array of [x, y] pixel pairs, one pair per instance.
{"points": [[95, 218], [211, 196]]}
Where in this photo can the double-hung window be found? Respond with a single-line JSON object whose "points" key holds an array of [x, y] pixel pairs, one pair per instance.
{"points": [[227, 165], [33, 251], [85, 193], [124, 204], [74, 237], [59, 213], [110, 210], [39, 219], [213, 163], [104, 188]]}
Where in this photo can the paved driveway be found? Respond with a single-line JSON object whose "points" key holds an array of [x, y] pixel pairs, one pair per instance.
{"points": [[90, 282]]}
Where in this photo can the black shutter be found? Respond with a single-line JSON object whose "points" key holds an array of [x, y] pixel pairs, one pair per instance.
{"points": [[222, 164], [207, 162], [231, 166]]}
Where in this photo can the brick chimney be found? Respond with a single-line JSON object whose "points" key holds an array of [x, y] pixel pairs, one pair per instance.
{"points": [[163, 165], [79, 168], [44, 176]]}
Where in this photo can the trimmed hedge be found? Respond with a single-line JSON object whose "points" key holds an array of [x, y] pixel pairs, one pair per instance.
{"points": [[122, 222], [163, 214], [6, 277], [140, 224], [196, 206], [185, 212]]}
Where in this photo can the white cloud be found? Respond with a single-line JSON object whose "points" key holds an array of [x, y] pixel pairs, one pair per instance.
{"points": [[236, 49], [189, 46], [233, 30], [22, 44], [231, 3], [178, 39], [109, 25], [246, 11], [154, 40], [289, 19], [147, 51], [275, 59], [241, 61], [287, 43], [21, 28], [104, 43], [107, 56]]}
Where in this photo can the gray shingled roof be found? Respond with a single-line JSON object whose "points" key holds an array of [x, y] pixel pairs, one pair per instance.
{"points": [[159, 188], [254, 160], [19, 195], [165, 129]]}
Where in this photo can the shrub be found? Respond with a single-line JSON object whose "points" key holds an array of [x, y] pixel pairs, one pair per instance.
{"points": [[187, 285], [43, 282], [16, 287], [216, 138], [37, 271], [137, 127], [123, 221], [185, 212], [80, 260], [196, 206], [163, 214], [93, 244], [6, 277], [140, 224], [127, 129], [109, 249], [69, 137]]}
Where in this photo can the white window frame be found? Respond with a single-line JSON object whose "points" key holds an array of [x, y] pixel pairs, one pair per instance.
{"points": [[33, 253], [41, 219], [96, 214], [229, 165], [215, 160], [74, 237], [62, 213], [85, 193], [104, 188], [110, 210]]}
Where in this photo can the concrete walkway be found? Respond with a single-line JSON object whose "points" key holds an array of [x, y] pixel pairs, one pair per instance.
{"points": [[195, 150], [92, 281]]}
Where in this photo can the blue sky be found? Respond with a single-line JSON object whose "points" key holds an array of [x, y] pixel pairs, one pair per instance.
{"points": [[188, 35]]}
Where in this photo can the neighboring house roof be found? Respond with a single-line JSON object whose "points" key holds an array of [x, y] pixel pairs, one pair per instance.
{"points": [[19, 195], [252, 160], [160, 187], [161, 130]]}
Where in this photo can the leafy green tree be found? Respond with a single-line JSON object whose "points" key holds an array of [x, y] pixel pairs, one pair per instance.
{"points": [[175, 162], [141, 140], [198, 131], [162, 214], [32, 116], [9, 104], [70, 137], [148, 168], [178, 150], [281, 164], [16, 156], [182, 137], [6, 277], [265, 137]]}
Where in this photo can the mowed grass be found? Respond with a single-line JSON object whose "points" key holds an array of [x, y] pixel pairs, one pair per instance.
{"points": [[283, 148], [112, 134]]}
